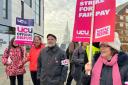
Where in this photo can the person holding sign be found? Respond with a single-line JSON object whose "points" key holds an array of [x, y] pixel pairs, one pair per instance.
{"points": [[52, 63], [33, 57], [13, 60], [110, 66]]}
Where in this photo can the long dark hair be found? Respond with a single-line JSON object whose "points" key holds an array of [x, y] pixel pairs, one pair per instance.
{"points": [[12, 46], [11, 43]]}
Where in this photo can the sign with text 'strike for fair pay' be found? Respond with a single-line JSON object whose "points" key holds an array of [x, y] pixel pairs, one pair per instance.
{"points": [[104, 20]]}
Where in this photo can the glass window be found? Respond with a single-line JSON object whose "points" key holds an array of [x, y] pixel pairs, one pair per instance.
{"points": [[121, 39], [126, 18], [7, 30], [28, 2], [126, 32], [121, 17], [4, 42], [5, 9], [4, 29], [120, 32], [127, 26], [121, 24], [37, 12]]}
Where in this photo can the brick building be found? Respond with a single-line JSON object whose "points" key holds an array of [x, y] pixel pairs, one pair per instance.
{"points": [[122, 25]]}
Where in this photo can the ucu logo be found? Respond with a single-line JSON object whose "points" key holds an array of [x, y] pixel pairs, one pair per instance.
{"points": [[82, 32], [24, 29], [21, 21]]}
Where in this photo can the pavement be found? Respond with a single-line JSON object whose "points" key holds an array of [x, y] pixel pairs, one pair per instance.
{"points": [[4, 80]]}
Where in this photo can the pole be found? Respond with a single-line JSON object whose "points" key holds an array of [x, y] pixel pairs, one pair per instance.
{"points": [[91, 36], [22, 9], [43, 17]]}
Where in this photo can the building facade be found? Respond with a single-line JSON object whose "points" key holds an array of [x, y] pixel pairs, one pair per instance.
{"points": [[122, 25], [27, 9]]}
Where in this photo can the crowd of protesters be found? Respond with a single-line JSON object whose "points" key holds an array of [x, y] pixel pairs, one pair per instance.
{"points": [[49, 64]]}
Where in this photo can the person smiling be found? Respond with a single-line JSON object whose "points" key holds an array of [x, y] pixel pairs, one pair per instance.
{"points": [[52, 63], [33, 57], [110, 66]]}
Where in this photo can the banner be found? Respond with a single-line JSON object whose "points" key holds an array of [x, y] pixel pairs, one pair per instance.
{"points": [[104, 20], [24, 31]]}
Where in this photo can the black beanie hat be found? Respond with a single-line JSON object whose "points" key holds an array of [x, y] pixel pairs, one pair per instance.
{"points": [[52, 36]]}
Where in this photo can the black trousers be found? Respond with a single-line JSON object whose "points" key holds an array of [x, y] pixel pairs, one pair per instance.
{"points": [[70, 77], [13, 80], [34, 78]]}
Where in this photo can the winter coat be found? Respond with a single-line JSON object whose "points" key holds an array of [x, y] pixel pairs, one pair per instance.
{"points": [[16, 56], [106, 73], [79, 59], [33, 57], [70, 50], [52, 68]]}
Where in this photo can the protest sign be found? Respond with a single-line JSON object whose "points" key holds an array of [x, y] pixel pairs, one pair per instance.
{"points": [[24, 31], [104, 21]]}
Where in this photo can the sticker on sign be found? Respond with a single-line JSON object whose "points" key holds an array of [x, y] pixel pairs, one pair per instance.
{"points": [[102, 32], [65, 62]]}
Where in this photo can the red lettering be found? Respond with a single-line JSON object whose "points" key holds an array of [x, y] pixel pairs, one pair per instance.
{"points": [[24, 29]]}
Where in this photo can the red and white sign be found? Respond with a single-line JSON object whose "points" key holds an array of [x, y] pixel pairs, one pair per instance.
{"points": [[24, 31], [104, 21]]}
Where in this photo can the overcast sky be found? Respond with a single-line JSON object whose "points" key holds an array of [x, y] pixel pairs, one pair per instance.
{"points": [[58, 12]]}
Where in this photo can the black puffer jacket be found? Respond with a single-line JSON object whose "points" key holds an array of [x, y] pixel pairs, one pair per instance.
{"points": [[106, 73]]}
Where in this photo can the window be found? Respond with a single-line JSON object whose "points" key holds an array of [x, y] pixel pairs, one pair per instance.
{"points": [[120, 32], [28, 2], [5, 9], [126, 10], [121, 17], [4, 42], [126, 18], [127, 26], [121, 39], [37, 12], [7, 30], [126, 32], [4, 29], [121, 24]]}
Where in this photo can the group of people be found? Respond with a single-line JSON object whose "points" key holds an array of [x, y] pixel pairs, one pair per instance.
{"points": [[14, 58], [49, 64]]}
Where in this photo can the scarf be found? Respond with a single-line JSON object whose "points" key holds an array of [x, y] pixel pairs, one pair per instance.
{"points": [[96, 71]]}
